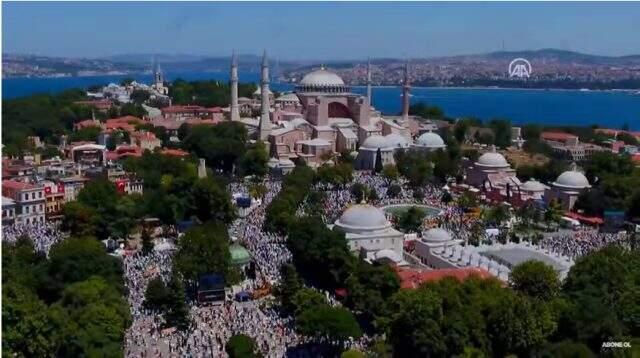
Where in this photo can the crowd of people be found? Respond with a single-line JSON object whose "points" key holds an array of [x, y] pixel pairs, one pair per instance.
{"points": [[268, 250], [43, 234], [579, 243], [211, 326]]}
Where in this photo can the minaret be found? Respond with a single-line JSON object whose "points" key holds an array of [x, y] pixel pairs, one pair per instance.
{"points": [[235, 112], [264, 127], [369, 83], [406, 86], [158, 80]]}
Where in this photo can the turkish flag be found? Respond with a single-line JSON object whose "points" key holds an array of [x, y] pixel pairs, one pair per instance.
{"points": [[120, 185]]}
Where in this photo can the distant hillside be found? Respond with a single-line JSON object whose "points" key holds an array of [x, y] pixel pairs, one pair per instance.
{"points": [[549, 56]]}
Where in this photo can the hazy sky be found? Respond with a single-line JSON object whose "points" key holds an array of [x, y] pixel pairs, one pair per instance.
{"points": [[317, 30]]}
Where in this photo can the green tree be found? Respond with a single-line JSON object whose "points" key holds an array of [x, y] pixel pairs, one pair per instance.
{"points": [[415, 166], [425, 111], [212, 201], [553, 213], [394, 190], [254, 161], [518, 325], [535, 279], [27, 330], [289, 285], [307, 299], [352, 353], [602, 289], [139, 96], [390, 172], [76, 312], [241, 346], [156, 296], [74, 260], [79, 219], [332, 323], [177, 310], [410, 220], [502, 132], [203, 250]]}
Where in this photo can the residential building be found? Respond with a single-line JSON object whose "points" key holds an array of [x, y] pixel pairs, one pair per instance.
{"points": [[29, 201]]}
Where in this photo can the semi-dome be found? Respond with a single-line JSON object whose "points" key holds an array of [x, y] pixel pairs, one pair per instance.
{"points": [[362, 217], [436, 235], [375, 142], [321, 77], [572, 179], [288, 97], [395, 140], [430, 140], [532, 185], [492, 159]]}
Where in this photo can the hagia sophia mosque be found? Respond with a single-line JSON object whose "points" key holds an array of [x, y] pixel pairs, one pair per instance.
{"points": [[322, 116]]}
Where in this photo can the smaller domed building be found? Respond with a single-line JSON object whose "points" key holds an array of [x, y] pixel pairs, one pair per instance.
{"points": [[532, 189], [429, 141], [492, 172], [367, 230], [567, 187]]}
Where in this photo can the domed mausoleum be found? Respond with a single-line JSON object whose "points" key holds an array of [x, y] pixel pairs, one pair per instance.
{"points": [[567, 187], [429, 141], [367, 230], [492, 172], [533, 189]]}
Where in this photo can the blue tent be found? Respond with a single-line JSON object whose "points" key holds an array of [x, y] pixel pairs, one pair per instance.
{"points": [[243, 296]]}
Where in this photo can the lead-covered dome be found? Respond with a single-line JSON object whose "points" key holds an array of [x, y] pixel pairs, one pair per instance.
{"points": [[395, 140], [572, 179], [430, 140], [322, 80], [321, 77], [532, 185], [492, 159], [375, 142], [362, 217], [436, 235]]}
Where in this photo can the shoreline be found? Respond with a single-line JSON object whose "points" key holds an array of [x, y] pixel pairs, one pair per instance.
{"points": [[66, 76]]}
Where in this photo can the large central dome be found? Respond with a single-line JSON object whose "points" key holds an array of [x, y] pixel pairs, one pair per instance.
{"points": [[322, 77], [323, 81]]}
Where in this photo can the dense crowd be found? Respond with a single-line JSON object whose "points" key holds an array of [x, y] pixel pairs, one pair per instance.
{"points": [[211, 326], [579, 243], [268, 251], [43, 235]]}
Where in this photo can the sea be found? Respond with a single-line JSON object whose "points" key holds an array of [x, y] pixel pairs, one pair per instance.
{"points": [[611, 109]]}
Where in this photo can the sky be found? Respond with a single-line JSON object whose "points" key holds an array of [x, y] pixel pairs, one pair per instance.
{"points": [[318, 30]]}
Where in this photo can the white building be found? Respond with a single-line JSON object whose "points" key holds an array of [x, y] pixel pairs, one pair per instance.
{"points": [[567, 187], [367, 230], [437, 249]]}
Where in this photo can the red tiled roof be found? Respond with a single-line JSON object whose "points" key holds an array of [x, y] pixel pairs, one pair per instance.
{"points": [[174, 152], [411, 278], [17, 185], [87, 123], [557, 136]]}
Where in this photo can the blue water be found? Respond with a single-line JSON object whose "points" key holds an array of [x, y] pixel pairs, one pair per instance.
{"points": [[553, 107]]}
